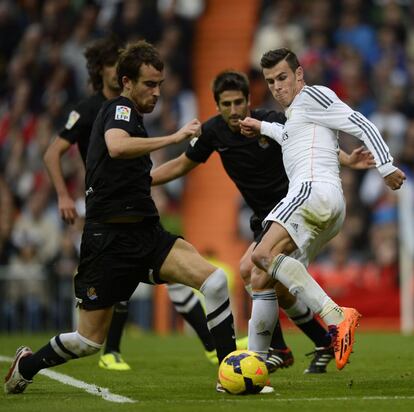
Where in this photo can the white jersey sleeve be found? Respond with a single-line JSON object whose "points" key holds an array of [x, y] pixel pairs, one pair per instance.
{"points": [[272, 130], [323, 107]]}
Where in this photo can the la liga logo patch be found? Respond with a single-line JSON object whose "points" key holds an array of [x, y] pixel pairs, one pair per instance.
{"points": [[72, 119], [122, 113]]}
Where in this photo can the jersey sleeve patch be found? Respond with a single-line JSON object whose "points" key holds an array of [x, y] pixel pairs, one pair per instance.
{"points": [[122, 113], [72, 119]]}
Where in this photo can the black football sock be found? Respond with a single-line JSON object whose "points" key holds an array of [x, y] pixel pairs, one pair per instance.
{"points": [[197, 320], [119, 318], [188, 305], [316, 332], [223, 335], [45, 357], [278, 341], [305, 320]]}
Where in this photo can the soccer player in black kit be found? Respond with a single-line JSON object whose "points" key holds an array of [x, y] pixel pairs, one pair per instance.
{"points": [[255, 166], [101, 57], [123, 242]]}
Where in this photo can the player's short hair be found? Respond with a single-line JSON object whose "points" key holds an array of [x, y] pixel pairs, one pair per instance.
{"points": [[100, 53], [134, 56], [273, 57], [230, 80]]}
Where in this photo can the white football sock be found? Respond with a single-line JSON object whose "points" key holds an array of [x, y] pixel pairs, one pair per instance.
{"points": [[300, 283], [217, 298], [73, 345], [263, 319]]}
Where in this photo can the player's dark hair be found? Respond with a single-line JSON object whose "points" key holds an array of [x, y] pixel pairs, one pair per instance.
{"points": [[273, 57], [230, 80], [102, 52], [136, 55]]}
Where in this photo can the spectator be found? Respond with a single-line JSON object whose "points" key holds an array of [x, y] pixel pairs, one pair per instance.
{"points": [[62, 270], [278, 29], [25, 291], [37, 226]]}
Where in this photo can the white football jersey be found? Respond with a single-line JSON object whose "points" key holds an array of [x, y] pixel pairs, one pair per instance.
{"points": [[309, 138]]}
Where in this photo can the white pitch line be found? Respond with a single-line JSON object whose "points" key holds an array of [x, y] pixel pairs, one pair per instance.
{"points": [[104, 393], [272, 399], [349, 398]]}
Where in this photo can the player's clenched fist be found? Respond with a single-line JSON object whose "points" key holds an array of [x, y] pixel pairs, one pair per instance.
{"points": [[395, 180], [189, 130], [250, 127]]}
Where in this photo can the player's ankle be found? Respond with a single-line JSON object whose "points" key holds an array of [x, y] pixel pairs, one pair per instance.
{"points": [[332, 314]]}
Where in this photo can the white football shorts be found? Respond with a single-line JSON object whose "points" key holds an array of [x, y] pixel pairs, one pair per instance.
{"points": [[312, 213]]}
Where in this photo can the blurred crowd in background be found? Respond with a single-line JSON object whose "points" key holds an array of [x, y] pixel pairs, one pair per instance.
{"points": [[363, 50]]}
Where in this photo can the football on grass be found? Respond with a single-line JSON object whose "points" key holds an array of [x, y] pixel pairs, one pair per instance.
{"points": [[243, 372]]}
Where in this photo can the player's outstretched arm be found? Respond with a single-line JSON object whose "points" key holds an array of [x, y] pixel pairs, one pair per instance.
{"points": [[395, 179], [122, 146], [52, 160], [172, 169], [250, 127], [359, 159]]}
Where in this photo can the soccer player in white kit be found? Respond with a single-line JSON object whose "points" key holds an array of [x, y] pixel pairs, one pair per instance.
{"points": [[313, 211]]}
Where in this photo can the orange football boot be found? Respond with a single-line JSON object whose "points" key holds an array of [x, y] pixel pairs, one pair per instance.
{"points": [[343, 336]]}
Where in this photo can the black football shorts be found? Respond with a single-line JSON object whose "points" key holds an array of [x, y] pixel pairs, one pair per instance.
{"points": [[116, 257], [256, 226]]}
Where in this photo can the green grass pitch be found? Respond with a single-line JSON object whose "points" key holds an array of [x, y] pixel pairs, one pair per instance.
{"points": [[172, 374]]}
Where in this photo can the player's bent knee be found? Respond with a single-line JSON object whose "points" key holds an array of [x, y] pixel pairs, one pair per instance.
{"points": [[260, 258], [260, 280], [245, 272]]}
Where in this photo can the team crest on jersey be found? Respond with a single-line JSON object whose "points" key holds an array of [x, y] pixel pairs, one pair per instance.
{"points": [[263, 142], [91, 293], [72, 119], [193, 141], [122, 113]]}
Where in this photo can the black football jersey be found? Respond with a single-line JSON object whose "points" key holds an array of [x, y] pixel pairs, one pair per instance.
{"points": [[254, 164], [117, 187], [79, 124]]}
